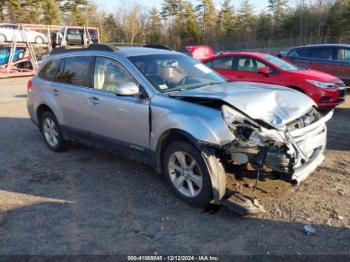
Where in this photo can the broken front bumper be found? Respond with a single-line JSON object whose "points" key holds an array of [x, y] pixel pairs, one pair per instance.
{"points": [[295, 156], [310, 144]]}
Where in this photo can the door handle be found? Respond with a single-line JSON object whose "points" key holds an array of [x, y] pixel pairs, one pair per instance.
{"points": [[94, 100], [240, 76]]}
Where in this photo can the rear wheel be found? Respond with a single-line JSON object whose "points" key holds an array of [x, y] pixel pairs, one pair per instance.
{"points": [[187, 173], [39, 40], [51, 132]]}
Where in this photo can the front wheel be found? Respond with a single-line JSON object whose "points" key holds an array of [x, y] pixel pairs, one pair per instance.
{"points": [[187, 173]]}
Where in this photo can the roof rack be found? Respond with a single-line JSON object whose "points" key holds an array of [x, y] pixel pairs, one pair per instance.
{"points": [[97, 47], [158, 47]]}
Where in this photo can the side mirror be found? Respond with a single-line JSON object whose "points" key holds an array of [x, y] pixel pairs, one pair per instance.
{"points": [[127, 89], [264, 70]]}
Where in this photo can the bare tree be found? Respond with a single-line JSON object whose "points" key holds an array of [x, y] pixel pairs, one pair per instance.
{"points": [[129, 17]]}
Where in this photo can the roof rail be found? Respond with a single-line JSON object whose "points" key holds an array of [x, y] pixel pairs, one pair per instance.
{"points": [[158, 47], [97, 47]]}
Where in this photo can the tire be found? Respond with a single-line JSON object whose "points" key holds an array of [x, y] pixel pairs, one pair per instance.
{"points": [[192, 185], [39, 40], [3, 38], [51, 132]]}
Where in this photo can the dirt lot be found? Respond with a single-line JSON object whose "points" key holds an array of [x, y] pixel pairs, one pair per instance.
{"points": [[87, 201]]}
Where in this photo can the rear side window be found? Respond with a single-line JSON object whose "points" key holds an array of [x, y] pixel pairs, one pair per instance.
{"points": [[49, 70], [223, 63], [75, 71], [322, 53]]}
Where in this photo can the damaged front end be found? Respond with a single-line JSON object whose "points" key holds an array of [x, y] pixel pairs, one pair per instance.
{"points": [[294, 150]]}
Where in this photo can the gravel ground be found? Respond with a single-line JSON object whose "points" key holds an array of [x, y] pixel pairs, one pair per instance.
{"points": [[88, 201]]}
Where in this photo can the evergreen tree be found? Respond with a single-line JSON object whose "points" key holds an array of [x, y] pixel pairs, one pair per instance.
{"points": [[31, 11], [339, 19], [226, 20], [169, 8], [277, 9], [245, 21], [51, 12], [110, 31], [263, 27], [192, 31], [2, 10], [15, 12], [75, 12], [154, 26], [208, 18]]}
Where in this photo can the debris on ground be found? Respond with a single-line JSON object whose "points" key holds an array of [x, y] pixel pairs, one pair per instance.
{"points": [[309, 230]]}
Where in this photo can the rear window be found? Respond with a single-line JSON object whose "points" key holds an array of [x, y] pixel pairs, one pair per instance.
{"points": [[75, 71], [49, 70]]}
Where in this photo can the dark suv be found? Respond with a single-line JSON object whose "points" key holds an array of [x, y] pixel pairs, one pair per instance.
{"points": [[333, 59]]}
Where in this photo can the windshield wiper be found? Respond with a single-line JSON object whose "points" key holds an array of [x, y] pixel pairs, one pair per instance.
{"points": [[194, 87]]}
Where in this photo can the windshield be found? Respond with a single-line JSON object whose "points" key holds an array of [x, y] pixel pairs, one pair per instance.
{"points": [[280, 63], [175, 72]]}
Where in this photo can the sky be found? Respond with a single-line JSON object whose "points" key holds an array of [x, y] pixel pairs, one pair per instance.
{"points": [[111, 5]]}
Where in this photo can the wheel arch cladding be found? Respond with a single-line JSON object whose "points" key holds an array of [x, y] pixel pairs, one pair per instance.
{"points": [[41, 110]]}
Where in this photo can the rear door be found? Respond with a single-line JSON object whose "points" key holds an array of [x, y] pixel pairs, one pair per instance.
{"points": [[223, 65], [71, 89]]}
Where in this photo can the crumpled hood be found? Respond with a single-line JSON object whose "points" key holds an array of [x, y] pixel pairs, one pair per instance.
{"points": [[273, 104]]}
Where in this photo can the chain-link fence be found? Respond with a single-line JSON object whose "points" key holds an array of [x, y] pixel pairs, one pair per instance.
{"points": [[276, 45]]}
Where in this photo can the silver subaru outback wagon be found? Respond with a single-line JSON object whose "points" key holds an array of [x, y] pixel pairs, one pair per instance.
{"points": [[177, 115]]}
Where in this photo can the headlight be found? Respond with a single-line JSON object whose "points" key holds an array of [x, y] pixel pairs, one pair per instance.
{"points": [[242, 127], [322, 84], [231, 115]]}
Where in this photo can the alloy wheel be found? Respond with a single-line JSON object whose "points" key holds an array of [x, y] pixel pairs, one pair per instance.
{"points": [[50, 132], [185, 174]]}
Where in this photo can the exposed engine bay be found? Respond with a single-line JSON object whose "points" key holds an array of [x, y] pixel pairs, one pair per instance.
{"points": [[286, 151]]}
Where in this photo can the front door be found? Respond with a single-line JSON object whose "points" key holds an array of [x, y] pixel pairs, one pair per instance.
{"points": [[247, 69], [123, 120]]}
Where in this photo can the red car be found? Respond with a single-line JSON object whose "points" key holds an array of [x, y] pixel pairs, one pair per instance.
{"points": [[326, 90]]}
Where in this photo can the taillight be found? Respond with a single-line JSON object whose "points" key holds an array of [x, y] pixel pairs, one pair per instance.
{"points": [[29, 85]]}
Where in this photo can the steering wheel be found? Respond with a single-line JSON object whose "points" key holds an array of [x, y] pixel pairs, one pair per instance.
{"points": [[185, 80]]}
